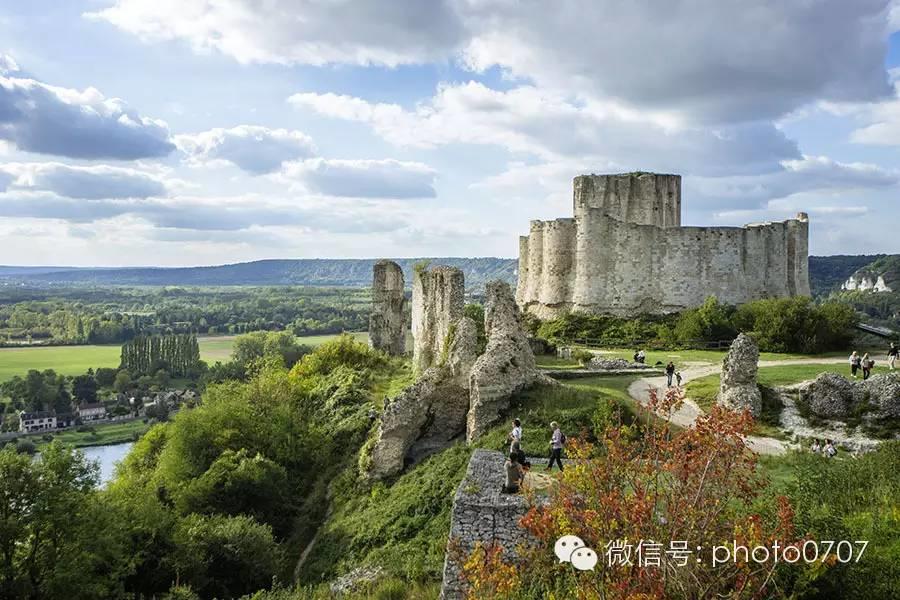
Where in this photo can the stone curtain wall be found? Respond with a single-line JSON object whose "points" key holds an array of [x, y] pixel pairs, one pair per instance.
{"points": [[387, 331], [600, 263], [438, 301], [481, 513]]}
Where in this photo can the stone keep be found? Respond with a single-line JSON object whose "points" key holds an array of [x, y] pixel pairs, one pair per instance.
{"points": [[507, 366], [386, 328], [738, 389], [438, 301], [625, 252]]}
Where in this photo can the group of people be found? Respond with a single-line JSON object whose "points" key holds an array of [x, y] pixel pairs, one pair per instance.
{"points": [[517, 463], [865, 363], [827, 449], [639, 356]]}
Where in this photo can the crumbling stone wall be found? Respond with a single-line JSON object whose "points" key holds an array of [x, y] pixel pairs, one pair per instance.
{"points": [[738, 389], [481, 513], [428, 415], [438, 301], [387, 331], [625, 252], [507, 366]]}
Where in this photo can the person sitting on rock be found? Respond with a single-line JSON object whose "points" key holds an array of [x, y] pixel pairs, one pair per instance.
{"points": [[641, 357], [634, 356], [515, 448], [557, 441], [815, 446], [514, 475]]}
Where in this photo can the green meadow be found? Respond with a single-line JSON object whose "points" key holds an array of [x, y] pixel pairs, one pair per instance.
{"points": [[75, 360]]}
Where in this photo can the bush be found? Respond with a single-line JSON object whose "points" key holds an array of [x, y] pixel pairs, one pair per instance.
{"points": [[25, 447], [582, 356]]}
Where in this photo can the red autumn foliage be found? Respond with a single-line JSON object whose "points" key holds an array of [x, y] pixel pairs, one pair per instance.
{"points": [[652, 491]]}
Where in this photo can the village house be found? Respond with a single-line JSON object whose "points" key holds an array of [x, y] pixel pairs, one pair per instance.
{"points": [[39, 421], [92, 412]]}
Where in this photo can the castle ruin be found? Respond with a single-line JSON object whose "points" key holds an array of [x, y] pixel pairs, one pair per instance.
{"points": [[626, 253], [387, 330]]}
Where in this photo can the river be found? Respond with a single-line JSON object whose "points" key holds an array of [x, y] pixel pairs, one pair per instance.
{"points": [[107, 456]]}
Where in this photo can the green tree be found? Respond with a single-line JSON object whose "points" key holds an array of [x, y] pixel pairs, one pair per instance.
{"points": [[84, 388], [122, 382], [225, 557]]}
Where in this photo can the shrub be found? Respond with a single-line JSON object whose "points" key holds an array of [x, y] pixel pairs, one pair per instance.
{"points": [[582, 356]]}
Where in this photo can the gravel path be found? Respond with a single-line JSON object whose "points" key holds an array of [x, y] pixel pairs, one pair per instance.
{"points": [[689, 411]]}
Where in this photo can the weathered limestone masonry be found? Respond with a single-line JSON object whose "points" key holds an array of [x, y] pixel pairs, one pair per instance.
{"points": [[481, 514], [738, 389], [428, 415], [386, 328], [507, 366], [625, 252], [438, 301]]}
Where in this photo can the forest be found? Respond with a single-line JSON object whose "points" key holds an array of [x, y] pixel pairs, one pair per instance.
{"points": [[116, 314]]}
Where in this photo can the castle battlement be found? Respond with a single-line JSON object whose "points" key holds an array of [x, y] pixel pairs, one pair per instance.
{"points": [[625, 252]]}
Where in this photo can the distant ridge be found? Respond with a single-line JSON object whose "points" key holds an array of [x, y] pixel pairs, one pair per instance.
{"points": [[313, 271], [826, 273]]}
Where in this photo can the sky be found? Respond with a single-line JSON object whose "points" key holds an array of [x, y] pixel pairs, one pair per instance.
{"points": [[193, 132]]}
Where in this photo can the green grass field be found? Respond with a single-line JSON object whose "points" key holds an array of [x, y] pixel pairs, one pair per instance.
{"points": [[683, 358], [103, 434], [75, 360]]}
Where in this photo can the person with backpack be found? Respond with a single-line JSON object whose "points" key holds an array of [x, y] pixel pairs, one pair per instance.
{"points": [[867, 364], [557, 441]]}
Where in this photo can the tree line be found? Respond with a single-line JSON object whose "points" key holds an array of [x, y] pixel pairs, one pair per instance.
{"points": [[178, 354]]}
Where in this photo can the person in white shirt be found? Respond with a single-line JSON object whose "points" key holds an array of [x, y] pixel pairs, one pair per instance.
{"points": [[516, 434], [815, 446]]}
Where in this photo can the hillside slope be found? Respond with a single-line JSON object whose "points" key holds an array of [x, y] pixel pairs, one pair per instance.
{"points": [[319, 272]]}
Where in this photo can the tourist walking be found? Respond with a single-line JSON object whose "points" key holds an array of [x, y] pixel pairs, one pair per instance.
{"points": [[893, 354], [514, 475], [516, 433], [670, 372], [867, 364], [678, 378], [815, 446], [828, 450], [557, 441], [855, 362]]}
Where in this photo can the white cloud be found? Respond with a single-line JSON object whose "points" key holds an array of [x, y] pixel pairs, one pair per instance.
{"points": [[551, 126], [384, 32], [254, 149], [706, 60], [363, 178], [883, 122], [811, 174], [83, 182], [46, 119]]}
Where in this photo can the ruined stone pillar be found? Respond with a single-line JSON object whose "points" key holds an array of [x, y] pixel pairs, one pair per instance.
{"points": [[438, 302], [507, 366], [387, 331], [738, 389]]}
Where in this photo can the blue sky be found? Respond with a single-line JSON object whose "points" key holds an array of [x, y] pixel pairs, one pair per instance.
{"points": [[183, 132]]}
